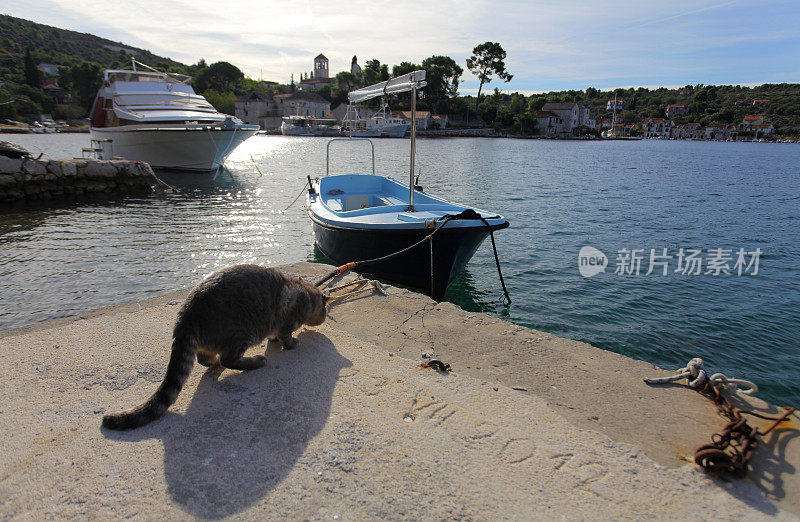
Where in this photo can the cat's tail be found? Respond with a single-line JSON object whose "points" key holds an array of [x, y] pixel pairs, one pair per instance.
{"points": [[180, 365]]}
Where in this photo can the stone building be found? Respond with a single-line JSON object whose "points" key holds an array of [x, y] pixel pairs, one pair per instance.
{"points": [[572, 116], [319, 77], [266, 110]]}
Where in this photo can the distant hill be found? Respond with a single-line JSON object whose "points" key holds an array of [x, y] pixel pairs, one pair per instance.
{"points": [[62, 47]]}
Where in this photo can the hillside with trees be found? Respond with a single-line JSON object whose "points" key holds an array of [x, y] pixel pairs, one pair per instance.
{"points": [[82, 58]]}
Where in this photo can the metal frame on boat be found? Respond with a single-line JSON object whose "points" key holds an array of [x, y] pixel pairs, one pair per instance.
{"points": [[381, 221]]}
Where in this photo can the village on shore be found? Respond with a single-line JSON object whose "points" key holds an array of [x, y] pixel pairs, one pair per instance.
{"points": [[267, 103]]}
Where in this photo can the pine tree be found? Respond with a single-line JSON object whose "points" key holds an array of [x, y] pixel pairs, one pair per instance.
{"points": [[31, 72]]}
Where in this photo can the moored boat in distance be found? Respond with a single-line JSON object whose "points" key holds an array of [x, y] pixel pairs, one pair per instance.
{"points": [[395, 230], [380, 125], [156, 117], [307, 126]]}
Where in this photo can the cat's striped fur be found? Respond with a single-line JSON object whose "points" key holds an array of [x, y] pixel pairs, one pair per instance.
{"points": [[233, 309]]}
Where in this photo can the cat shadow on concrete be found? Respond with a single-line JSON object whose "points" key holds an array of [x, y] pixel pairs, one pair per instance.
{"points": [[244, 431]]}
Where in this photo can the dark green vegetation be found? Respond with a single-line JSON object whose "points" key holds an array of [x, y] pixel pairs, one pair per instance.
{"points": [[486, 61], [707, 104], [24, 44]]}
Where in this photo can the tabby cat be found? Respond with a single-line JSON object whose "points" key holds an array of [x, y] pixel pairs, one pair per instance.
{"points": [[233, 309]]}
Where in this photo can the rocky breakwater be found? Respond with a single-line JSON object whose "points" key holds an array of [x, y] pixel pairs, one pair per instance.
{"points": [[28, 179]]}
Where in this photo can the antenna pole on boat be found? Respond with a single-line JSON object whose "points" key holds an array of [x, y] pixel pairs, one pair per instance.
{"points": [[413, 146]]}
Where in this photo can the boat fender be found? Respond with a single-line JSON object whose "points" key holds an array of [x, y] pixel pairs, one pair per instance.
{"points": [[311, 190]]}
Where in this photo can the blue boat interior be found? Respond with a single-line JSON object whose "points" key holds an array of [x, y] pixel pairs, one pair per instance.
{"points": [[359, 195]]}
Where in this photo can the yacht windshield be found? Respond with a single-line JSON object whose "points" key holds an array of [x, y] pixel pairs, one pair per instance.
{"points": [[145, 76]]}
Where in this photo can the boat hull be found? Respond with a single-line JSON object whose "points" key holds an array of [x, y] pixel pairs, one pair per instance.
{"points": [[292, 130], [395, 131], [193, 149], [387, 131], [452, 250]]}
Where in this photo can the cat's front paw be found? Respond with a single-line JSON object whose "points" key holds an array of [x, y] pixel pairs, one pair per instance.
{"points": [[288, 342]]}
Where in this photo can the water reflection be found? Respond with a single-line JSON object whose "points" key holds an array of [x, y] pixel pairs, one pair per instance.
{"points": [[559, 196]]}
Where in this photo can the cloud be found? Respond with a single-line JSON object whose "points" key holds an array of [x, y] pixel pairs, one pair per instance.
{"points": [[578, 44]]}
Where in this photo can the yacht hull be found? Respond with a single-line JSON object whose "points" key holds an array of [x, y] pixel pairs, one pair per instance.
{"points": [[200, 149]]}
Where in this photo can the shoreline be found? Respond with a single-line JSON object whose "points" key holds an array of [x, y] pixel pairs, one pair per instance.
{"points": [[464, 133], [491, 358]]}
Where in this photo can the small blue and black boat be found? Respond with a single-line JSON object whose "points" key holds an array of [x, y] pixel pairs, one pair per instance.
{"points": [[391, 229]]}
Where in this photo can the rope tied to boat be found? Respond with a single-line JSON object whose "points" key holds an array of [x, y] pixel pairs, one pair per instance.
{"points": [[731, 447], [361, 286], [468, 213]]}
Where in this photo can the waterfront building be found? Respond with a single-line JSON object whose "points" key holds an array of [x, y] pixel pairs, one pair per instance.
{"points": [[266, 110], [760, 128], [753, 119], [657, 128], [677, 110], [573, 118], [440, 120], [424, 118], [308, 104], [692, 131], [761, 102], [549, 124], [720, 131]]}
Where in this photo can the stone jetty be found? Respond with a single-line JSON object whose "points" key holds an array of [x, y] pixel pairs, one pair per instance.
{"points": [[25, 179], [350, 426]]}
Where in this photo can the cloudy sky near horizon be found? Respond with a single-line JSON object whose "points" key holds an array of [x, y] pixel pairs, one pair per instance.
{"points": [[570, 45]]}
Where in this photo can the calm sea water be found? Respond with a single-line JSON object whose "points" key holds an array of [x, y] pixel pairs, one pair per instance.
{"points": [[559, 196]]}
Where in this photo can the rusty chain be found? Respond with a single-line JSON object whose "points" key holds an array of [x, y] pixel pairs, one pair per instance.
{"points": [[732, 446]]}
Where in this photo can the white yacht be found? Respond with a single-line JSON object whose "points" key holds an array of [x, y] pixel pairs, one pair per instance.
{"points": [[381, 125], [307, 126], [156, 117]]}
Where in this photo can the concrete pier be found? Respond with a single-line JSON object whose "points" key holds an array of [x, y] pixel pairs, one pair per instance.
{"points": [[28, 179], [348, 426]]}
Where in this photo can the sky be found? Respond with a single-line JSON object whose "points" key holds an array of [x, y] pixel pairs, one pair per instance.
{"points": [[572, 44]]}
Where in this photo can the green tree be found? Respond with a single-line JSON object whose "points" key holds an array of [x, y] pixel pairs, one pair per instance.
{"points": [[487, 60], [343, 83], [83, 80], [536, 103], [224, 102], [404, 68], [381, 68], [374, 71], [31, 72], [525, 123], [442, 74], [219, 76], [68, 111]]}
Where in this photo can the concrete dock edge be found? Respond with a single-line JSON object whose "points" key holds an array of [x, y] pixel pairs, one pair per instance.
{"points": [[349, 426]]}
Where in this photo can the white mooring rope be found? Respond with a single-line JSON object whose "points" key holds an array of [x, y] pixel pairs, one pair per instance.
{"points": [[697, 377]]}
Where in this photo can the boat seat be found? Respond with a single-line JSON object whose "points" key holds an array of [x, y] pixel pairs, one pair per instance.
{"points": [[356, 202]]}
